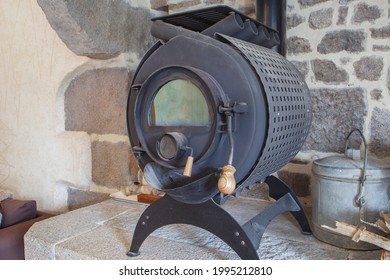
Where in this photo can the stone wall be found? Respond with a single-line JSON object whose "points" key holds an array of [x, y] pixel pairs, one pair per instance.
{"points": [[88, 53], [342, 47], [114, 35]]}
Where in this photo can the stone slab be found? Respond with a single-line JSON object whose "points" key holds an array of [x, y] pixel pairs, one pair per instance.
{"points": [[104, 231], [116, 243], [41, 239]]}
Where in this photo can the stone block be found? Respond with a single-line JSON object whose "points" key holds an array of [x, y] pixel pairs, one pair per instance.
{"points": [[247, 8], [380, 33], [321, 19], [308, 3], [100, 29], [175, 6], [298, 182], [380, 133], [298, 45], [213, 2], [327, 72], [343, 13], [345, 2], [342, 40], [294, 20], [37, 249], [368, 68], [95, 101], [80, 198], [104, 231], [381, 48], [335, 113], [364, 12], [302, 66], [106, 243], [159, 5], [111, 164], [376, 94], [42, 238]]}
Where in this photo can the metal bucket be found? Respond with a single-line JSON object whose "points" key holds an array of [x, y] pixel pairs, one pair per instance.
{"points": [[349, 190]]}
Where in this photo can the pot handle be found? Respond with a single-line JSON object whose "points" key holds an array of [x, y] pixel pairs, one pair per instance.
{"points": [[360, 201]]}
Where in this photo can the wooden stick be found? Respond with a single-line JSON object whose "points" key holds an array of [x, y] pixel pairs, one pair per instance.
{"points": [[147, 198], [386, 218], [364, 235], [385, 255]]}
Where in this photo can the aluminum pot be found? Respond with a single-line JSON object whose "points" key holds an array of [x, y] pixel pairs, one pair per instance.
{"points": [[349, 190]]}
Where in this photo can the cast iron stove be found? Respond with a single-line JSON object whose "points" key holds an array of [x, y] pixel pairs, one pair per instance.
{"points": [[213, 110]]}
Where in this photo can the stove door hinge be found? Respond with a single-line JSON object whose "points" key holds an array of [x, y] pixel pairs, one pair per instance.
{"points": [[136, 87], [137, 151]]}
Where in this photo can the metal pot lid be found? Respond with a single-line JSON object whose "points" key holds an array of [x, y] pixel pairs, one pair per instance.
{"points": [[344, 167]]}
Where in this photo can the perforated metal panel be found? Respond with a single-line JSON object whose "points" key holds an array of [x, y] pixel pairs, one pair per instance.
{"points": [[289, 107]]}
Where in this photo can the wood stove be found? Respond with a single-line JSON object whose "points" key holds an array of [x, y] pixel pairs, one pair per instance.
{"points": [[212, 110]]}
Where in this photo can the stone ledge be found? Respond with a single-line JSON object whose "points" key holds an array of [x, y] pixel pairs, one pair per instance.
{"points": [[103, 231]]}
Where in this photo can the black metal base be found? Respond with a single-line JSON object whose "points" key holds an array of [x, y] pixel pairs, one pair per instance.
{"points": [[244, 240]]}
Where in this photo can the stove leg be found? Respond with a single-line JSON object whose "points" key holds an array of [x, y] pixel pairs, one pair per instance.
{"points": [[256, 226], [277, 189], [244, 240], [207, 215]]}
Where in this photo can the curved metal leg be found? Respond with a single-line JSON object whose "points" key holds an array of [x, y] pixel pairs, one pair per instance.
{"points": [[207, 215], [244, 240], [277, 189], [256, 226]]}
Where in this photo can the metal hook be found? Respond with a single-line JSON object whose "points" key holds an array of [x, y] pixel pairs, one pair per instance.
{"points": [[360, 201]]}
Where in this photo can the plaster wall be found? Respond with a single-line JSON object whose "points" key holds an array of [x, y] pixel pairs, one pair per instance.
{"points": [[34, 154]]}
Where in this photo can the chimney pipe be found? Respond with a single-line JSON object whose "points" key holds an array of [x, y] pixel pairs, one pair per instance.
{"points": [[273, 14]]}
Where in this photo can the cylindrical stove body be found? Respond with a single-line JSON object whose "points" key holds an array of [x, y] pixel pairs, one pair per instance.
{"points": [[215, 99]]}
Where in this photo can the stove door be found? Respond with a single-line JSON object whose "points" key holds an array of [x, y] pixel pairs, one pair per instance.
{"points": [[177, 117]]}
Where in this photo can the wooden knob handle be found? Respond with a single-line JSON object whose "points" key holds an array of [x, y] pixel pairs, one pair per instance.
{"points": [[227, 182], [188, 168]]}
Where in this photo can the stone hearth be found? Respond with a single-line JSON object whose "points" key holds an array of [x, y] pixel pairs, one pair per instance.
{"points": [[103, 231]]}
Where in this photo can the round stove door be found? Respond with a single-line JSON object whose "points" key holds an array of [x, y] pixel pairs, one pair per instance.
{"points": [[176, 115]]}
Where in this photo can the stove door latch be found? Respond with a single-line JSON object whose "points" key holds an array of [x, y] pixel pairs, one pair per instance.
{"points": [[230, 110], [227, 182], [237, 107]]}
